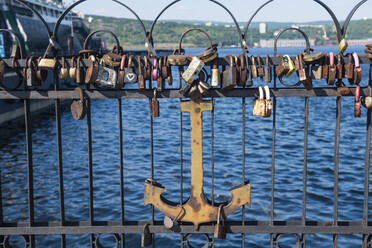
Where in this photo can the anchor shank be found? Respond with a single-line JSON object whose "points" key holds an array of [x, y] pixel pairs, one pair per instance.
{"points": [[196, 151]]}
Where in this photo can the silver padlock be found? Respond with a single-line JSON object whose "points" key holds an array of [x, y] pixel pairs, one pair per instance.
{"points": [[215, 76], [203, 87], [107, 77], [195, 67]]}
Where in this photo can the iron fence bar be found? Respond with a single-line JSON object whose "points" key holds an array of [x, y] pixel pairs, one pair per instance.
{"points": [[30, 169], [273, 165], [212, 158], [121, 168], [181, 165], [243, 162], [90, 169], [173, 93], [235, 227], [304, 173], [336, 168], [60, 159], [152, 168], [367, 165]]}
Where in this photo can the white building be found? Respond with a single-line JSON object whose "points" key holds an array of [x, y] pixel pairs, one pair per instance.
{"points": [[262, 28]]}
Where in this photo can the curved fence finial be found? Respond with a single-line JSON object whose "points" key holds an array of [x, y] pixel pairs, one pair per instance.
{"points": [[294, 29], [150, 37], [19, 39]]}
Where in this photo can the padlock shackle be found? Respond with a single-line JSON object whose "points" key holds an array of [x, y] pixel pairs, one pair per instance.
{"points": [[250, 20], [86, 42], [267, 92], [19, 39], [122, 62], [357, 93], [331, 59], [150, 38], [194, 29], [155, 69], [356, 59], [261, 93], [81, 93], [294, 29]]}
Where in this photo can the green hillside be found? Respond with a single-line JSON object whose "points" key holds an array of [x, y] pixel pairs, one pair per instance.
{"points": [[167, 33]]}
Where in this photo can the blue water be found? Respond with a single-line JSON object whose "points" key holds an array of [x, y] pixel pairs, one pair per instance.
{"points": [[227, 145]]}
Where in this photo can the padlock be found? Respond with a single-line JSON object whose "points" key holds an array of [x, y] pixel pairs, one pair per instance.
{"points": [[141, 79], [331, 70], [194, 92], [164, 68], [268, 71], [316, 72], [146, 70], [72, 71], [154, 69], [237, 66], [121, 74], [160, 81], [63, 72], [349, 67], [146, 237], [325, 68], [243, 70], [339, 68], [169, 223], [177, 59], [367, 100], [260, 69], [268, 102], [253, 67], [310, 55], [249, 81], [41, 74], [80, 73], [47, 64], [342, 46], [194, 68], [79, 107], [302, 74], [202, 84], [92, 71], [155, 110], [357, 102], [150, 48], [111, 59], [219, 228], [229, 75], [215, 76], [357, 70], [185, 90], [32, 79], [130, 75], [107, 77], [281, 70], [259, 105], [289, 65]]}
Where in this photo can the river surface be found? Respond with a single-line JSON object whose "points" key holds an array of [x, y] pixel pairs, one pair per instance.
{"points": [[227, 158]]}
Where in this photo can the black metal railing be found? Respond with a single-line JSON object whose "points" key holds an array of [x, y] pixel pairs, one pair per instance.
{"points": [[122, 227]]}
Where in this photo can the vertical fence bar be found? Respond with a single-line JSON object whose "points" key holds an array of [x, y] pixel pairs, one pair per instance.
{"points": [[121, 166], [336, 169], [243, 163], [152, 167], [212, 151], [273, 165], [30, 170], [367, 165], [90, 170], [181, 164], [304, 173], [60, 161]]}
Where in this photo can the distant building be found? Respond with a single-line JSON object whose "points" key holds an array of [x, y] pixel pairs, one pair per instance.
{"points": [[262, 28], [359, 42], [286, 43], [227, 26], [208, 24]]}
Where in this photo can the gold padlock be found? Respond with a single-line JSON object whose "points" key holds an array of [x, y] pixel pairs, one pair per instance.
{"points": [[72, 70], [259, 105], [63, 72], [47, 64], [342, 46], [268, 102]]}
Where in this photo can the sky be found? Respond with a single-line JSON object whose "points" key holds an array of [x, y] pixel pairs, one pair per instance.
{"points": [[279, 10]]}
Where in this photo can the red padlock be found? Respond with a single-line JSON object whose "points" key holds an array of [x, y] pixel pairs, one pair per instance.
{"points": [[155, 69], [357, 102]]}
